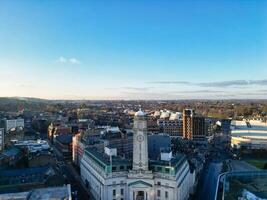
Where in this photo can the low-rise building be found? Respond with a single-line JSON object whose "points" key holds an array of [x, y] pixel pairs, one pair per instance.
{"points": [[12, 124], [63, 144], [50, 193], [10, 157], [249, 135], [242, 185], [19, 180], [55, 129]]}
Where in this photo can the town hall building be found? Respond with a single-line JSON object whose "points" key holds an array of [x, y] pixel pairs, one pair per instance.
{"points": [[111, 177]]}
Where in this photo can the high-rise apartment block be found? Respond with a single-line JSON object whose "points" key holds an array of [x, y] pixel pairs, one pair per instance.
{"points": [[193, 125]]}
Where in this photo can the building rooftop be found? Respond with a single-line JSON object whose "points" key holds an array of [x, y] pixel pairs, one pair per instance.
{"points": [[249, 129], [245, 184], [105, 159], [13, 151], [52, 193], [64, 138], [25, 171], [140, 113], [173, 162], [12, 180]]}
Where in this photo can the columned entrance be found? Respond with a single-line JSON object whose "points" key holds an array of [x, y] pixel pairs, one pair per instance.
{"points": [[140, 195]]}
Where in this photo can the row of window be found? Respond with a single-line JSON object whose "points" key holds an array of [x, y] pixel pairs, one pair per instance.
{"points": [[159, 169], [115, 192], [122, 167], [159, 194]]}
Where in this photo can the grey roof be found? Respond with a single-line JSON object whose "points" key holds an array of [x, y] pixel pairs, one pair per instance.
{"points": [[53, 193], [11, 152]]}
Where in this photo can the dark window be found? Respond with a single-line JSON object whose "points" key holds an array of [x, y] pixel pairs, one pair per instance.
{"points": [[166, 194], [158, 193], [159, 183], [167, 170], [114, 192], [122, 167], [122, 191], [86, 184], [113, 168], [159, 168]]}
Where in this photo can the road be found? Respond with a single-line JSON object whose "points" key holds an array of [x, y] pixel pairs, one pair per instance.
{"points": [[208, 181], [72, 176], [75, 181]]}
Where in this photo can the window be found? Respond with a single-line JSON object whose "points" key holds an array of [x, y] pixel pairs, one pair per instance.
{"points": [[121, 167], [159, 168], [113, 168], [114, 192], [159, 183], [166, 194], [158, 193], [122, 191], [167, 170], [86, 183]]}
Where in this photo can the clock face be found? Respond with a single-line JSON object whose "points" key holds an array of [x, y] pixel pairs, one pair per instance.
{"points": [[140, 138]]}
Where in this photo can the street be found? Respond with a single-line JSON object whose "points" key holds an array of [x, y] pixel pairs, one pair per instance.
{"points": [[207, 183], [208, 180], [72, 177]]}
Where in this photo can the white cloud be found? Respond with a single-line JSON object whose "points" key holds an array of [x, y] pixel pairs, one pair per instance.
{"points": [[72, 61], [61, 59]]}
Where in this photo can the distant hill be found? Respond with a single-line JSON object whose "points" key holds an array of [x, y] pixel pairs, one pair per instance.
{"points": [[22, 99]]}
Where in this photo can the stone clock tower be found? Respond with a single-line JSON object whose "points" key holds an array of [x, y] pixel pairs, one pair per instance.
{"points": [[140, 152]]}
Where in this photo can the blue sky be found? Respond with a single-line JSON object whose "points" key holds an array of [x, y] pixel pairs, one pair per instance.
{"points": [[133, 49]]}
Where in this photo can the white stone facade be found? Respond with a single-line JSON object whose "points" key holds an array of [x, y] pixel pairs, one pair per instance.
{"points": [[138, 183], [156, 186]]}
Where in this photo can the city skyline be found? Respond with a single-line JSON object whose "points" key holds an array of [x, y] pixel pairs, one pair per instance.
{"points": [[128, 50]]}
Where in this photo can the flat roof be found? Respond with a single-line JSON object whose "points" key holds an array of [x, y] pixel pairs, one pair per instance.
{"points": [[238, 184], [51, 193]]}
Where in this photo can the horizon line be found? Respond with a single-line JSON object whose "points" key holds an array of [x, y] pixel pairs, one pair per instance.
{"points": [[185, 99]]}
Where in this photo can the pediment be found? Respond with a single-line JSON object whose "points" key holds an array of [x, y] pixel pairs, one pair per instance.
{"points": [[140, 183]]}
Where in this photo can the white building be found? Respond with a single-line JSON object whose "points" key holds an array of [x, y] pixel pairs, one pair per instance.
{"points": [[249, 134], [112, 177], [33, 146], [11, 124], [2, 139]]}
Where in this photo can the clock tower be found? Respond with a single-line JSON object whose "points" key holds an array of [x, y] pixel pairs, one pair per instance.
{"points": [[140, 152]]}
